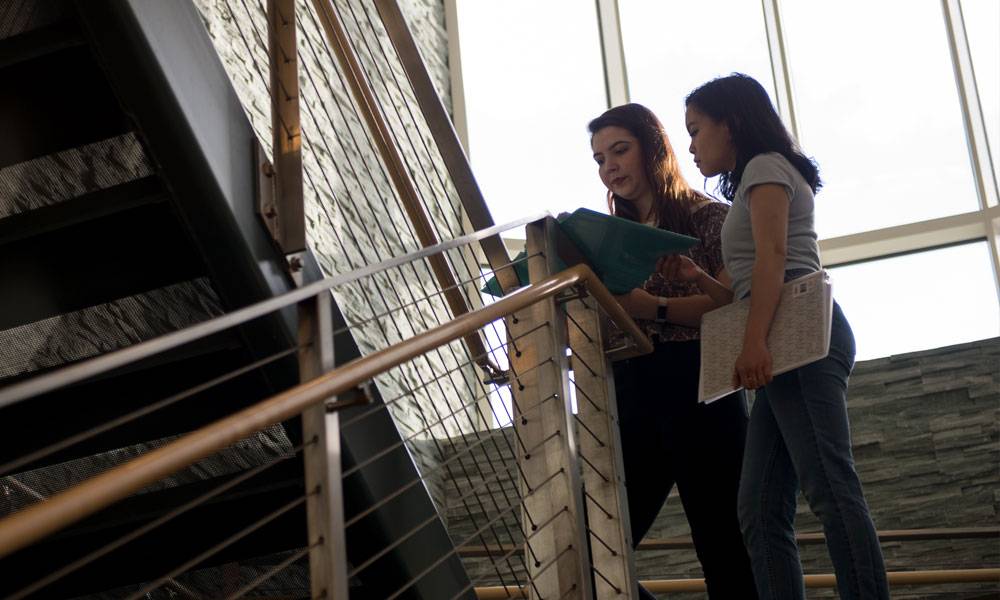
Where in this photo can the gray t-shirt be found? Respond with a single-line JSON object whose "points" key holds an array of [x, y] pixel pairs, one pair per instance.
{"points": [[738, 248]]}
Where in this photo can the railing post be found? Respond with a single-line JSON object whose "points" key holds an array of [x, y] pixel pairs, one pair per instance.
{"points": [[553, 512], [603, 479], [285, 218], [321, 434]]}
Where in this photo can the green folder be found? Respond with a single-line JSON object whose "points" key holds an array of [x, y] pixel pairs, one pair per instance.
{"points": [[623, 253]]}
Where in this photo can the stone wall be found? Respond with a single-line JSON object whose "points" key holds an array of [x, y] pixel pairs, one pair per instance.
{"points": [[926, 439], [354, 216]]}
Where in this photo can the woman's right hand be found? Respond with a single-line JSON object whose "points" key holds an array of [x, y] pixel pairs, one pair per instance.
{"points": [[675, 267]]}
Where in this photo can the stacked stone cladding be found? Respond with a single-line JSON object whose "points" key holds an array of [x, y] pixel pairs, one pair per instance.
{"points": [[926, 441], [353, 214]]}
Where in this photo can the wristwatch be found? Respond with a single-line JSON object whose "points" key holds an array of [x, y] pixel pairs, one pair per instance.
{"points": [[661, 310]]}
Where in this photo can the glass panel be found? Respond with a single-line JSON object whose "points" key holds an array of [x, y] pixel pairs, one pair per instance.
{"points": [[982, 27], [919, 301], [533, 77], [499, 398], [673, 47], [878, 108]]}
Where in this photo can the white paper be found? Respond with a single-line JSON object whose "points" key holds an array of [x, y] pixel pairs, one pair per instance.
{"points": [[799, 335]]}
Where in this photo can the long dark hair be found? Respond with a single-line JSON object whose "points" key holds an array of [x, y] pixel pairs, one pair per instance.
{"points": [[673, 197], [741, 103]]}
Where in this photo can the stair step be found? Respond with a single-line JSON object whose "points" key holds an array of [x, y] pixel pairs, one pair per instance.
{"points": [[54, 102], [20, 16], [154, 553], [39, 42], [80, 408], [71, 173], [33, 348], [88, 207], [139, 248]]}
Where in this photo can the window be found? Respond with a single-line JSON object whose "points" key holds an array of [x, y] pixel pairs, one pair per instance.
{"points": [[876, 101], [533, 78], [878, 107], [673, 47], [919, 301]]}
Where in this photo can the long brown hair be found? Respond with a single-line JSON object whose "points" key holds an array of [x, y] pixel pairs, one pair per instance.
{"points": [[673, 197]]}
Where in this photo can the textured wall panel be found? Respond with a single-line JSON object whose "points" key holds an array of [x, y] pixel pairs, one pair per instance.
{"points": [[353, 214]]}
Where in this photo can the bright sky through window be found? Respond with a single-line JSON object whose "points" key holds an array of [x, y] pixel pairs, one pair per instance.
{"points": [[533, 78], [880, 114], [667, 58], [919, 301], [876, 102]]}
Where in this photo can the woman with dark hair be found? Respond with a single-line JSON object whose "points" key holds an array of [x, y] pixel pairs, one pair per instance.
{"points": [[667, 436], [798, 434]]}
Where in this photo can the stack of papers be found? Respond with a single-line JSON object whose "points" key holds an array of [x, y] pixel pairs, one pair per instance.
{"points": [[799, 335], [622, 253]]}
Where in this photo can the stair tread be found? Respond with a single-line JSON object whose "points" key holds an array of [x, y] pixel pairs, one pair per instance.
{"points": [[71, 106], [65, 175], [39, 42], [94, 262], [65, 338], [88, 207]]}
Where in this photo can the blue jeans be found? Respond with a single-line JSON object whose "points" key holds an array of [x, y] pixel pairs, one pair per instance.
{"points": [[799, 436]]}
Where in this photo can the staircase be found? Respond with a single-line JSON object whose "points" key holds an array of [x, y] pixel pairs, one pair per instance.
{"points": [[128, 185]]}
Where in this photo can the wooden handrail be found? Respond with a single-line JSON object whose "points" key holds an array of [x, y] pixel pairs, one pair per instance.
{"points": [[44, 518], [896, 578], [889, 535], [805, 539], [828, 580]]}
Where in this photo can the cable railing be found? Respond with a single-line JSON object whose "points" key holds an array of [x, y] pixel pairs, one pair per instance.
{"points": [[348, 480], [548, 496]]}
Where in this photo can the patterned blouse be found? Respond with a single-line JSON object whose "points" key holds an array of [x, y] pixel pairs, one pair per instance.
{"points": [[707, 222]]}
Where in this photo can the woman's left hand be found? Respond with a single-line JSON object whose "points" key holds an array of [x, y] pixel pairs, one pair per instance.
{"points": [[753, 366], [638, 303]]}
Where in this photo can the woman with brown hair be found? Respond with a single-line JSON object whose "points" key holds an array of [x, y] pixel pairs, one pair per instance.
{"points": [[667, 436]]}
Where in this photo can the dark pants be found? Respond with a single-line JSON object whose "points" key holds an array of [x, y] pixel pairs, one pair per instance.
{"points": [[668, 438], [799, 438]]}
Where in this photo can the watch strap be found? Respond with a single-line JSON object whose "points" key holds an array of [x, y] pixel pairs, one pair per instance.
{"points": [[661, 309]]}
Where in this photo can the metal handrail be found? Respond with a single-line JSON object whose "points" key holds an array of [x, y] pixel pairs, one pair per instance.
{"points": [[113, 360], [685, 542], [889, 535], [824, 580], [828, 580], [42, 519]]}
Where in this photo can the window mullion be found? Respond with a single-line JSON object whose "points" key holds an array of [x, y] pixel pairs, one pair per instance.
{"points": [[975, 126], [972, 114], [458, 116], [911, 237], [779, 65], [613, 52]]}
